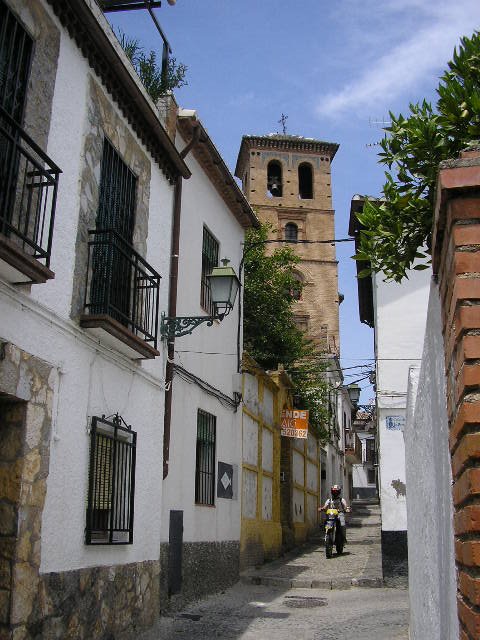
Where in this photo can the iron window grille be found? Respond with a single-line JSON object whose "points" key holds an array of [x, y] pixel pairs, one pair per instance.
{"points": [[205, 458], [111, 485], [28, 178], [210, 249], [15, 60], [122, 285]]}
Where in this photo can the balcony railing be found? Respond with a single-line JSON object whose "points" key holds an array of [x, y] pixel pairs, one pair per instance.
{"points": [[122, 292], [28, 194]]}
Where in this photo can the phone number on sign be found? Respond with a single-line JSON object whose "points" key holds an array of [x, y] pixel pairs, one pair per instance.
{"points": [[294, 433]]}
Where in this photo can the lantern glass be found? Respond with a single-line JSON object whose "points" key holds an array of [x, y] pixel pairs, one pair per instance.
{"points": [[224, 286], [354, 393]]}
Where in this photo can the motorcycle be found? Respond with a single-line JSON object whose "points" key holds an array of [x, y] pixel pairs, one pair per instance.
{"points": [[333, 533]]}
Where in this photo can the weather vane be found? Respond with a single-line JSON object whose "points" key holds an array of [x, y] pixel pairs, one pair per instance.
{"points": [[283, 122]]}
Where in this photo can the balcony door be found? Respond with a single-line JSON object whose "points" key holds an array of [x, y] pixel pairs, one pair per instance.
{"points": [[112, 284], [15, 59]]}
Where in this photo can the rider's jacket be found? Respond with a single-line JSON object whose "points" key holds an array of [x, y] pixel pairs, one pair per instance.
{"points": [[336, 503]]}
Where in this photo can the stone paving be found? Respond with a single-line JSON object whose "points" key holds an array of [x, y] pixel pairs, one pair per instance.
{"points": [[303, 596], [307, 567]]}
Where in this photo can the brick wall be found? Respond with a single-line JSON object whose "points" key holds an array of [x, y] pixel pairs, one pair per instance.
{"points": [[456, 262]]}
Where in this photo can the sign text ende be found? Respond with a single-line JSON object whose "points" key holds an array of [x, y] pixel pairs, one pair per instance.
{"points": [[294, 423]]}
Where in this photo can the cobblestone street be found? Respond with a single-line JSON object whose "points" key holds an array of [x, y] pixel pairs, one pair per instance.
{"points": [[304, 596]]}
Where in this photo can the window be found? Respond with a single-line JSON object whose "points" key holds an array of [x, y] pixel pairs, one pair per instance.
{"points": [[291, 232], [305, 181], [371, 476], [209, 260], [274, 179], [15, 55], [296, 291], [205, 461], [112, 263], [111, 482], [370, 450]]}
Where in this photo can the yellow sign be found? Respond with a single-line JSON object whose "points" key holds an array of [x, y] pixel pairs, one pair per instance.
{"points": [[294, 423]]}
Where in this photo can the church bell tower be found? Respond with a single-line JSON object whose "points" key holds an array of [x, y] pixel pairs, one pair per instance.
{"points": [[287, 180]]}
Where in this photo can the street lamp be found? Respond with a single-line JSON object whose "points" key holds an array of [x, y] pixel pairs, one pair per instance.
{"points": [[224, 286], [354, 393]]}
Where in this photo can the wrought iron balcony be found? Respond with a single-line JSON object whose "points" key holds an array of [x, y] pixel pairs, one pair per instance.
{"points": [[122, 295], [28, 195]]}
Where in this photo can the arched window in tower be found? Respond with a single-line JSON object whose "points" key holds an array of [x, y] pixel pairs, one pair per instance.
{"points": [[291, 232], [274, 179], [305, 181], [297, 288]]}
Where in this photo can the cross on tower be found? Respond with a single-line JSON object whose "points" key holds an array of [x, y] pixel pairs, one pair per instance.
{"points": [[283, 122]]}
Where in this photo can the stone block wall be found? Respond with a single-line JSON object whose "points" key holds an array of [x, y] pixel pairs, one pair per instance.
{"points": [[456, 262]]}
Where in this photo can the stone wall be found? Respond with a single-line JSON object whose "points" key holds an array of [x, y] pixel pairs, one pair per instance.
{"points": [[101, 602], [207, 567], [26, 393], [456, 261], [92, 603]]}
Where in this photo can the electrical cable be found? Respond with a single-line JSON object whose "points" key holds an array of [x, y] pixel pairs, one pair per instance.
{"points": [[191, 378]]}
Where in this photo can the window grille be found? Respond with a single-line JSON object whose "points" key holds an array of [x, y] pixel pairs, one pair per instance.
{"points": [[111, 484], [116, 212], [291, 232], [209, 260], [205, 462], [15, 58]]}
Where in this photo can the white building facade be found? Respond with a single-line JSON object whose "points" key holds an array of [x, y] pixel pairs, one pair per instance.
{"points": [[398, 313], [201, 508], [86, 198]]}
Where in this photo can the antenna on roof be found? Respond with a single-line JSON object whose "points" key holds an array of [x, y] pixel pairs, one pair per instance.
{"points": [[283, 122]]}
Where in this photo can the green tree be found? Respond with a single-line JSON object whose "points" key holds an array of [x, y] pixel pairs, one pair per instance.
{"points": [[398, 226], [270, 333], [149, 70]]}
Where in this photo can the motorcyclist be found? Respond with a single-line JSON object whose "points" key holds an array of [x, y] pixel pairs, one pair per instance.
{"points": [[340, 504]]}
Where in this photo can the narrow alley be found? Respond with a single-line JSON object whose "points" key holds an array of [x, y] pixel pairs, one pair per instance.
{"points": [[304, 595]]}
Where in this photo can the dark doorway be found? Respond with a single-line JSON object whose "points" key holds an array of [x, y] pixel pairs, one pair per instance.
{"points": [[175, 539]]}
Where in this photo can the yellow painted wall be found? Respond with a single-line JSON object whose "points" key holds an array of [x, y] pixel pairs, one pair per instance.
{"points": [[261, 538]]}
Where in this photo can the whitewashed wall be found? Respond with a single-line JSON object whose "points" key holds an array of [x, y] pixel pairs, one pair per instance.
{"points": [[92, 379], [432, 579], [400, 316], [209, 353]]}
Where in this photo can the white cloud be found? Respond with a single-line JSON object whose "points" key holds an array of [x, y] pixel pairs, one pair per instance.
{"points": [[416, 58]]}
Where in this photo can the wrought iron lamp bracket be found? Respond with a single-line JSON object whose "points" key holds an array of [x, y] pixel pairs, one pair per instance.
{"points": [[184, 325]]}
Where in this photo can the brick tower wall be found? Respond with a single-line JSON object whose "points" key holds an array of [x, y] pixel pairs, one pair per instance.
{"points": [[318, 310], [456, 261]]}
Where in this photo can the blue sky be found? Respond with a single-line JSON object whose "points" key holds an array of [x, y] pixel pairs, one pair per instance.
{"points": [[334, 68]]}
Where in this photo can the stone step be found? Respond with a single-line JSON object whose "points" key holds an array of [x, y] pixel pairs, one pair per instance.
{"points": [[307, 583]]}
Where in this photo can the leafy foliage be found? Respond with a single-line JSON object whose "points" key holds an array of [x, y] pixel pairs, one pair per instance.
{"points": [[398, 226], [313, 390], [149, 69], [270, 334]]}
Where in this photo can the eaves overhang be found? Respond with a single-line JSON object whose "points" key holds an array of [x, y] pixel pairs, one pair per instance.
{"points": [[209, 158], [364, 285], [88, 27], [282, 143]]}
